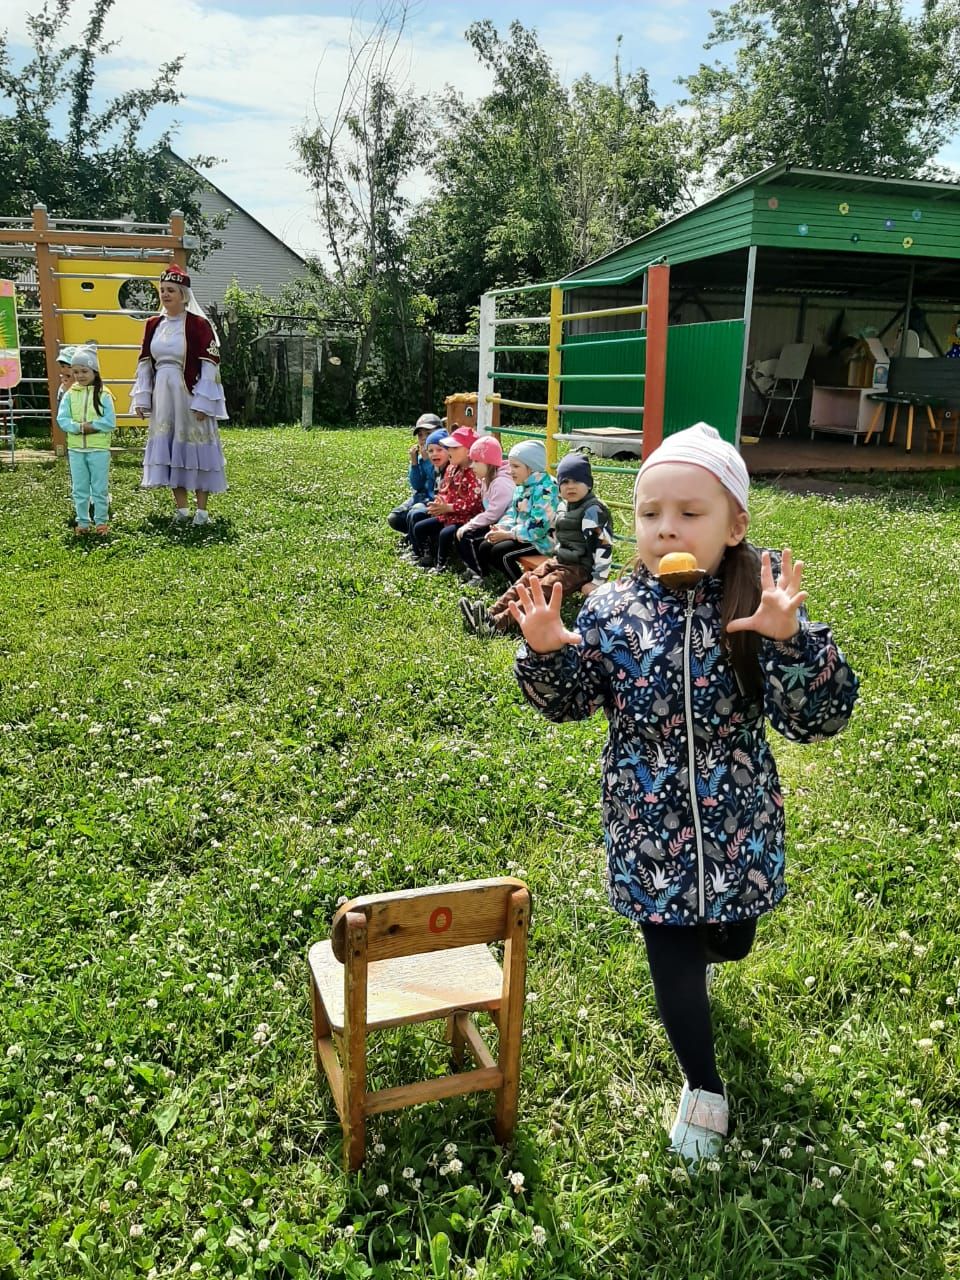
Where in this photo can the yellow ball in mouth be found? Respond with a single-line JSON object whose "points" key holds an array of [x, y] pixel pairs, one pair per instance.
{"points": [[677, 562]]}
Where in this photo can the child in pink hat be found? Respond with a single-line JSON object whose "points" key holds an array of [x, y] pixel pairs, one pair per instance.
{"points": [[496, 492], [457, 501]]}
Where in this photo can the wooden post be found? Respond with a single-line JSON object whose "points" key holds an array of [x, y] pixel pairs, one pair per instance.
{"points": [[658, 318], [178, 231], [48, 319], [511, 1012], [355, 1041], [554, 367], [308, 360]]}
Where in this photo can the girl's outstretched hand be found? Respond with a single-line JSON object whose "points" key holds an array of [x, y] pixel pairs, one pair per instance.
{"points": [[776, 616], [539, 619]]}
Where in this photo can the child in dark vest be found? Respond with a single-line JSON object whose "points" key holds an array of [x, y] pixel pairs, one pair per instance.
{"points": [[584, 535]]}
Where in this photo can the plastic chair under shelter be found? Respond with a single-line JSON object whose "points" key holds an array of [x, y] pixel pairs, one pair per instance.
{"points": [[414, 956], [788, 376]]}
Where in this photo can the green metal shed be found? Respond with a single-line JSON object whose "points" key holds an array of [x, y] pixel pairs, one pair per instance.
{"points": [[791, 254]]}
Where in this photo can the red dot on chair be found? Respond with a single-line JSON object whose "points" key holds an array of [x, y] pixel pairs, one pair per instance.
{"points": [[440, 920]]}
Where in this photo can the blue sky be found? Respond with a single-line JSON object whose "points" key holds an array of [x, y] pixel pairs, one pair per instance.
{"points": [[255, 73]]}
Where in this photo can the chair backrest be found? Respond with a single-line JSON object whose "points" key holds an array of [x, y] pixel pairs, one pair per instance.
{"points": [[412, 921], [793, 360]]}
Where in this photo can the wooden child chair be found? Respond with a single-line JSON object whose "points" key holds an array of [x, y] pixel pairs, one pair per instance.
{"points": [[383, 967]]}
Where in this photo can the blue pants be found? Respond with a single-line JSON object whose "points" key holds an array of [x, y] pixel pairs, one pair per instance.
{"points": [[90, 474]]}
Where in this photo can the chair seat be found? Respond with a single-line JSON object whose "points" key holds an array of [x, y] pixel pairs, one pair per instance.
{"points": [[412, 988]]}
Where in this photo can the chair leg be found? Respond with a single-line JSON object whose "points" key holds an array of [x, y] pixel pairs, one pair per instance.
{"points": [[909, 427], [456, 1041], [321, 1024], [355, 1043], [893, 424], [875, 422], [511, 1015]]}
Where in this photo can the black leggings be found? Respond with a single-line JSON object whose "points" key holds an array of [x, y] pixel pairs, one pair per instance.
{"points": [[503, 555], [678, 959]]}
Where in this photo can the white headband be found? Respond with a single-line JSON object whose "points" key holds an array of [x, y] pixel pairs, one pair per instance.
{"points": [[703, 446]]}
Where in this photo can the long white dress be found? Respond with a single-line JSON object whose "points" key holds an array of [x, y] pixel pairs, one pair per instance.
{"points": [[183, 451]]}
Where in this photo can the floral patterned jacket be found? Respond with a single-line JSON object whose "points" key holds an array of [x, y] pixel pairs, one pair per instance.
{"points": [[461, 488], [692, 805], [533, 512]]}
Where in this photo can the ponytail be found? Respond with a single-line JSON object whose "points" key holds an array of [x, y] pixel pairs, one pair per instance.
{"points": [[740, 571], [97, 392]]}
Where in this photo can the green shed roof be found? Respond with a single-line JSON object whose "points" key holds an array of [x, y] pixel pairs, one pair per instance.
{"points": [[802, 210]]}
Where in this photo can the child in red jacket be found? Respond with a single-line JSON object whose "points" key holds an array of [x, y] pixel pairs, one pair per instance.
{"points": [[458, 500]]}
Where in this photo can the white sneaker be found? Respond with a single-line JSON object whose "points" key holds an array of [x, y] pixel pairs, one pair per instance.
{"points": [[182, 516], [701, 1124], [200, 518]]}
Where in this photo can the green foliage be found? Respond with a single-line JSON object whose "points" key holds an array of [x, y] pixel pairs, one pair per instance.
{"points": [[850, 85], [534, 180], [98, 168], [239, 323], [211, 735]]}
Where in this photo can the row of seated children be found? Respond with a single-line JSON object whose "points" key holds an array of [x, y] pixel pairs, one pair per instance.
{"points": [[492, 512], [85, 412]]}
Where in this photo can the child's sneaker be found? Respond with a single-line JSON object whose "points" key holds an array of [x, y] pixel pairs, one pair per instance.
{"points": [[471, 579], [466, 609], [701, 1124], [182, 516], [102, 529], [79, 530], [200, 518]]}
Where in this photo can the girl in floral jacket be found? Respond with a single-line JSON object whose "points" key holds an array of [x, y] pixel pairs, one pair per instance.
{"points": [[527, 526], [692, 805]]}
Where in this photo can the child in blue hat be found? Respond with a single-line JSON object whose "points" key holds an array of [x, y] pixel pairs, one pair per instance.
{"points": [[420, 477]]}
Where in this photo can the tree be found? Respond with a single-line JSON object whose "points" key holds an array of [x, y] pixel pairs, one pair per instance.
{"points": [[99, 167], [534, 179], [358, 163], [853, 84]]}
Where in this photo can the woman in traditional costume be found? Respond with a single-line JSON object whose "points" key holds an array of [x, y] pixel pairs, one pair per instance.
{"points": [[178, 387]]}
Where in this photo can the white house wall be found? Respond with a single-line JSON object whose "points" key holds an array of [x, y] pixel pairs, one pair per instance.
{"points": [[250, 254]]}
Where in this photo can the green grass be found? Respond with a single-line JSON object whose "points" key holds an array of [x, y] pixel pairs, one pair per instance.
{"points": [[209, 737]]}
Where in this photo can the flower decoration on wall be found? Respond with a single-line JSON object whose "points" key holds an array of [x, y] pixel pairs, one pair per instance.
{"points": [[844, 208]]}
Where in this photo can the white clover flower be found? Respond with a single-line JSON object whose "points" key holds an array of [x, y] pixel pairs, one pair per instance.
{"points": [[14, 1051], [838, 1201], [130, 1184], [6, 1183], [199, 1235], [786, 1153], [713, 1166], [539, 1236], [450, 1149], [136, 1230], [151, 1003], [407, 1173], [816, 1183], [236, 1237], [834, 1171], [196, 1268], [926, 1044], [379, 1148], [835, 1050], [109, 1063], [263, 1245], [382, 1190], [516, 1180], [809, 981], [918, 1163]]}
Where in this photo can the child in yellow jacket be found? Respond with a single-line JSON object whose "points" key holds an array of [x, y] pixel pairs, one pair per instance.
{"points": [[87, 415]]}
